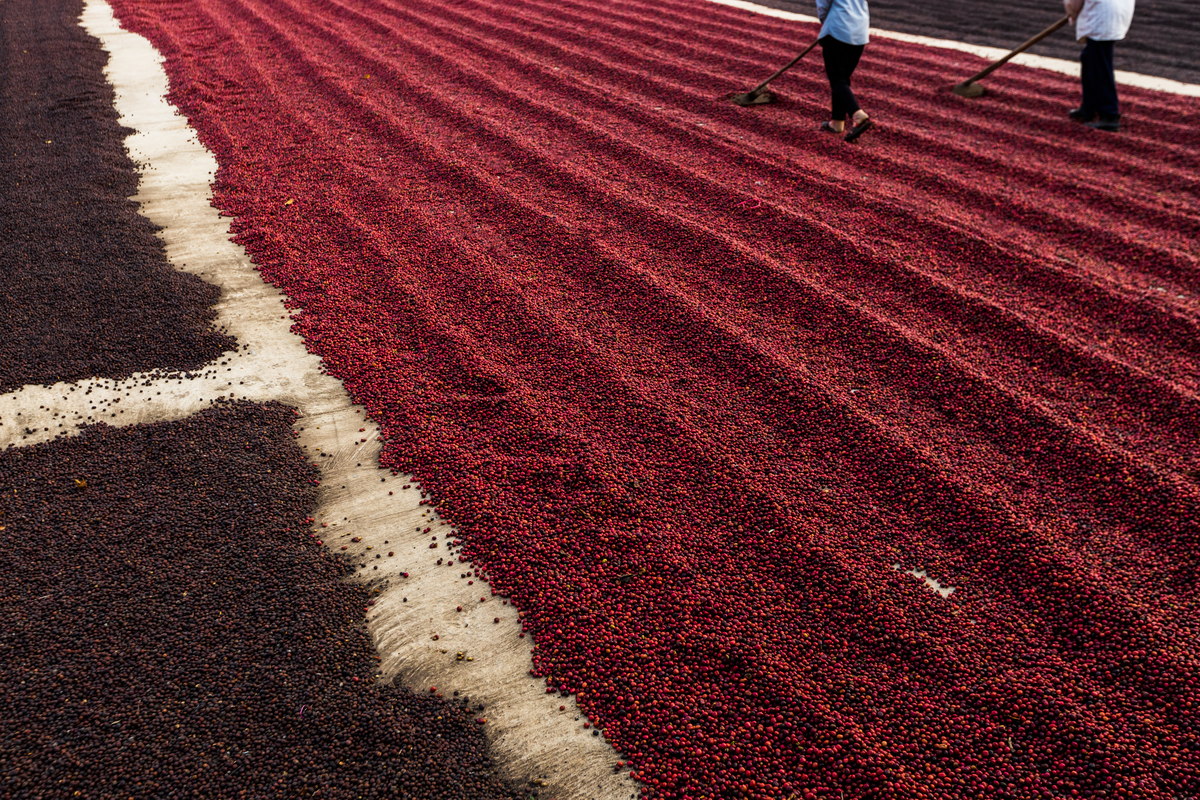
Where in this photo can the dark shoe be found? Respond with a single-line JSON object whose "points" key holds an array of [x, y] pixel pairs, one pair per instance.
{"points": [[859, 129], [1106, 123], [828, 128], [1079, 115]]}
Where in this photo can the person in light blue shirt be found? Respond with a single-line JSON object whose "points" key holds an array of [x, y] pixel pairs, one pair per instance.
{"points": [[845, 31]]}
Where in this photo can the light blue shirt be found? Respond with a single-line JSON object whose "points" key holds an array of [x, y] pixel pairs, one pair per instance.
{"points": [[845, 20]]}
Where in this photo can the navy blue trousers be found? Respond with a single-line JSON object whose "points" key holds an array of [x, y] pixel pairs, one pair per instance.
{"points": [[1099, 84]]}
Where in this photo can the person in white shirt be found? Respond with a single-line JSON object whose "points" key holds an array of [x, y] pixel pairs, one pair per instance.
{"points": [[1099, 24]]}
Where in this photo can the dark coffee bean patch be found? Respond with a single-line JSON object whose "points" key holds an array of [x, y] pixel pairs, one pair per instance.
{"points": [[169, 628], [85, 286]]}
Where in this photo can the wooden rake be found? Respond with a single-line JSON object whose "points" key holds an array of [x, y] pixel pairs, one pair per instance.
{"points": [[971, 88], [761, 95]]}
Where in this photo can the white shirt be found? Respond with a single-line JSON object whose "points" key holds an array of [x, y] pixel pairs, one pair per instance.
{"points": [[1102, 20]]}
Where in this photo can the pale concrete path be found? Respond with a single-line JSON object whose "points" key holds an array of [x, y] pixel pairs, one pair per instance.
{"points": [[423, 640]]}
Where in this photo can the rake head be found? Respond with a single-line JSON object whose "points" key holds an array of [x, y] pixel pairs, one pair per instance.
{"points": [[968, 89], [758, 98]]}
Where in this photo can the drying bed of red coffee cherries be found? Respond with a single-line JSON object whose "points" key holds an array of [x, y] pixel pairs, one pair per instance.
{"points": [[85, 287], [169, 628], [702, 387]]}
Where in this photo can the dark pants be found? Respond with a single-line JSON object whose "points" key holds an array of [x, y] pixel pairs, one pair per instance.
{"points": [[1099, 84], [840, 61]]}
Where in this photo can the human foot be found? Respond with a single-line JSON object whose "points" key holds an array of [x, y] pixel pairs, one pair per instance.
{"points": [[861, 126]]}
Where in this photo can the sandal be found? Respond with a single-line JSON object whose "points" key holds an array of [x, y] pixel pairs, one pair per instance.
{"points": [[859, 129], [828, 128]]}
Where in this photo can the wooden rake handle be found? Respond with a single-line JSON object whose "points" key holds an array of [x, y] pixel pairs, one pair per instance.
{"points": [[784, 68], [1016, 51]]}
